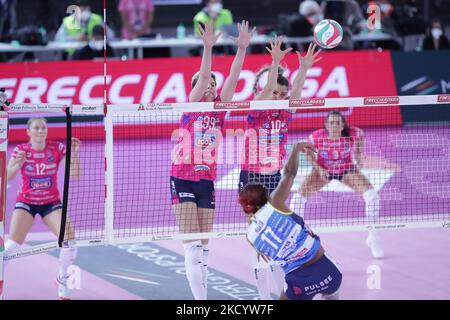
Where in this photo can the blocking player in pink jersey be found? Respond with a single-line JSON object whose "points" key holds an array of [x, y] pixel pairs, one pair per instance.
{"points": [[264, 155], [193, 172], [338, 156], [38, 161]]}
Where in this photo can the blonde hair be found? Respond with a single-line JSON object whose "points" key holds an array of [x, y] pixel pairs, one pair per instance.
{"points": [[31, 120], [197, 75]]}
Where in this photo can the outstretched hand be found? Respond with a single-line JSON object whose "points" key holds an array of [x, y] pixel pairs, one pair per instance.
{"points": [[310, 57], [245, 35], [208, 36], [275, 49]]}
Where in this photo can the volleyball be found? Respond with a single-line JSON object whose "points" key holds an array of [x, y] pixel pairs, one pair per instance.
{"points": [[328, 34]]}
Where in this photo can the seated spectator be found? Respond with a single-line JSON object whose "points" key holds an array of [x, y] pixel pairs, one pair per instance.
{"points": [[435, 38], [94, 48], [213, 11], [303, 25], [137, 18], [349, 15], [8, 19], [300, 24], [71, 31]]}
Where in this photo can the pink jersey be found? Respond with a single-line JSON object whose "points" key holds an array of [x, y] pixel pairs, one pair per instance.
{"points": [[194, 156], [266, 154], [40, 172], [335, 155]]}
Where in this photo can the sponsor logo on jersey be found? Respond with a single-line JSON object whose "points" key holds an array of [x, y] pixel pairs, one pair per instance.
{"points": [[91, 109], [39, 155], [323, 154], [41, 183], [259, 225], [29, 167], [297, 291], [201, 167], [50, 160], [186, 195]]}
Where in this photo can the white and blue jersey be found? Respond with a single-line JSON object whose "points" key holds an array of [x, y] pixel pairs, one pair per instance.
{"points": [[282, 236]]}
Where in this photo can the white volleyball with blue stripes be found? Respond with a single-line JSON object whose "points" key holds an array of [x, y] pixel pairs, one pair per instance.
{"points": [[328, 34]]}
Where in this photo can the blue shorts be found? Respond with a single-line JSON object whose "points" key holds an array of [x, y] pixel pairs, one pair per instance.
{"points": [[200, 192], [42, 210], [269, 181], [322, 277], [339, 176]]}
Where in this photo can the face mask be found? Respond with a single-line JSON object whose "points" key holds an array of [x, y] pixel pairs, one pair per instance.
{"points": [[216, 7], [85, 15], [315, 19], [96, 45], [436, 33], [385, 7]]}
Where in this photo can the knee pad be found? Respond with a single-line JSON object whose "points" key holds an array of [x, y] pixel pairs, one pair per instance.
{"points": [[193, 253]]}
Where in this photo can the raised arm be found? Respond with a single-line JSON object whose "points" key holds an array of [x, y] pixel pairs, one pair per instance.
{"points": [[242, 42], [305, 63], [279, 196], [209, 39], [277, 56]]}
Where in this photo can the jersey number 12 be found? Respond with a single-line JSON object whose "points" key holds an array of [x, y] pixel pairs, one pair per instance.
{"points": [[40, 168]]}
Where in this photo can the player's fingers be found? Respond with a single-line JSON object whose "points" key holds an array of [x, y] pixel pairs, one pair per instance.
{"points": [[317, 53]]}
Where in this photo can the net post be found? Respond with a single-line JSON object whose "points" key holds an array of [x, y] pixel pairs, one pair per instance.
{"points": [[3, 150], [109, 179], [62, 229]]}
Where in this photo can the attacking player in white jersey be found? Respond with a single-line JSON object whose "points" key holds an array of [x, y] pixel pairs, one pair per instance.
{"points": [[280, 235]]}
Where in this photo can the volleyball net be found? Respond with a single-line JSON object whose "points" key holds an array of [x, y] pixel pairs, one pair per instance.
{"points": [[124, 194]]}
